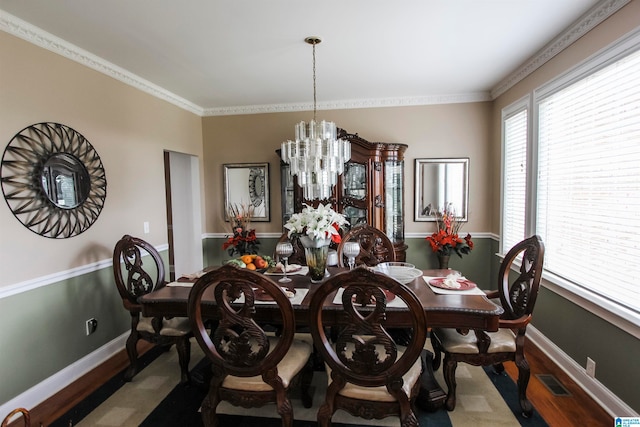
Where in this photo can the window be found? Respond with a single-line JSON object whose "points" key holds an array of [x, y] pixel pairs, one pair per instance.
{"points": [[584, 183], [515, 176]]}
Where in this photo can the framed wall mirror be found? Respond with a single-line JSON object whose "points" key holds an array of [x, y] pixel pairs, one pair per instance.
{"points": [[440, 184], [247, 184], [53, 180]]}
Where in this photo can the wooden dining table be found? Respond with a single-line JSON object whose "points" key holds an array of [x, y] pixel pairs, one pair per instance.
{"points": [[443, 310]]}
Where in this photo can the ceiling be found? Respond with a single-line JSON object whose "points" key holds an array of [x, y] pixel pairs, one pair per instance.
{"points": [[240, 56]]}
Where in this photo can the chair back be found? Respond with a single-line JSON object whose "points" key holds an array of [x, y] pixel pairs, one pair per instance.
{"points": [[298, 256], [364, 352], [137, 268], [518, 292], [375, 246], [239, 346], [26, 418]]}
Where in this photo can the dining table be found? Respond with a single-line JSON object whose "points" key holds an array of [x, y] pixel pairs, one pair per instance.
{"points": [[444, 308]]}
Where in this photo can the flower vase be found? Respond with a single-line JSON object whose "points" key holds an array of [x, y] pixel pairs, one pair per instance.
{"points": [[443, 261], [316, 252]]}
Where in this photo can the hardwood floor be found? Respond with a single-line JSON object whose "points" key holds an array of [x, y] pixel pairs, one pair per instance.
{"points": [[577, 410]]}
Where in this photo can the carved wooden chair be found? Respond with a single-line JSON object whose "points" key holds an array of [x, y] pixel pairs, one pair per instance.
{"points": [[138, 269], [517, 293], [369, 375], [250, 367], [375, 246], [26, 417]]}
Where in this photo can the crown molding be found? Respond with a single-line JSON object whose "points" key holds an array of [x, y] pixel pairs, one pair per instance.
{"points": [[351, 104], [30, 33], [21, 29], [583, 25]]}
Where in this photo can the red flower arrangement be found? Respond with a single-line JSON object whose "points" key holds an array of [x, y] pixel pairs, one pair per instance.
{"points": [[244, 240], [446, 239]]}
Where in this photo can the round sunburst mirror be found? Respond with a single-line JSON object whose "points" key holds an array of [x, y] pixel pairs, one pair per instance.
{"points": [[53, 180]]}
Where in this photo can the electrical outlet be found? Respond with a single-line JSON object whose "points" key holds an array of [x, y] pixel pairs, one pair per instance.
{"points": [[591, 367], [145, 225], [91, 325]]}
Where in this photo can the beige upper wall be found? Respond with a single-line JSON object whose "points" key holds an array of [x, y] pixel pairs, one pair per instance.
{"points": [[453, 130], [616, 26], [128, 128]]}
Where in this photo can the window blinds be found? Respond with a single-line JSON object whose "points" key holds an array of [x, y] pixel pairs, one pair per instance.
{"points": [[588, 183], [514, 180]]}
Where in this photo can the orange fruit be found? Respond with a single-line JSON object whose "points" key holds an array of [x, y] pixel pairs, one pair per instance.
{"points": [[246, 259], [251, 266]]}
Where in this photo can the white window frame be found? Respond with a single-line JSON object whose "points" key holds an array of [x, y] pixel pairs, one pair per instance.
{"points": [[523, 104], [626, 319]]}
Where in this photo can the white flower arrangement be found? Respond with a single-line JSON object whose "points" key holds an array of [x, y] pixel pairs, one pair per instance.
{"points": [[320, 223]]}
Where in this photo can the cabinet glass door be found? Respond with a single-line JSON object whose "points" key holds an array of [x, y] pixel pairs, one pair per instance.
{"points": [[288, 197], [354, 192], [355, 181], [394, 189]]}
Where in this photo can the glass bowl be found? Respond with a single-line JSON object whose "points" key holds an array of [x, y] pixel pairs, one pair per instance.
{"points": [[403, 272]]}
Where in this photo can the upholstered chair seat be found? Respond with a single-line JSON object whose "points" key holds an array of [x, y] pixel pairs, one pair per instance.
{"points": [[173, 327], [380, 393], [291, 364], [454, 342]]}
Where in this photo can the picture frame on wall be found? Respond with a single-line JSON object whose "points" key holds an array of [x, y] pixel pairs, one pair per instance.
{"points": [[247, 184]]}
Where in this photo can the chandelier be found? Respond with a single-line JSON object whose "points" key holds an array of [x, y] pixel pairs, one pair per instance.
{"points": [[316, 156]]}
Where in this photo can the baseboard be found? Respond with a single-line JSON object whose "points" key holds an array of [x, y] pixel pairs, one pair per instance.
{"points": [[50, 386], [594, 388]]}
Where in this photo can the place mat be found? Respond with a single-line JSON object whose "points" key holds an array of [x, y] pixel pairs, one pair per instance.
{"points": [[302, 272], [296, 300], [435, 289], [396, 302]]}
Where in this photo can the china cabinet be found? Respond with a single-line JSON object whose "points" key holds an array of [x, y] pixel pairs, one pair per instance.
{"points": [[371, 189]]}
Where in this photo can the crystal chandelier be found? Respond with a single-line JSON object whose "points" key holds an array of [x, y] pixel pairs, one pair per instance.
{"points": [[316, 156]]}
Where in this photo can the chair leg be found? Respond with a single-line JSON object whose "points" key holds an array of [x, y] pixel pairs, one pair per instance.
{"points": [[132, 352], [407, 416], [209, 405], [437, 353], [305, 384], [449, 371], [183, 345], [524, 373], [285, 410], [327, 408]]}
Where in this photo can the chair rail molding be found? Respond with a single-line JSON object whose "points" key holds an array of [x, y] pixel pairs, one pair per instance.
{"points": [[35, 283]]}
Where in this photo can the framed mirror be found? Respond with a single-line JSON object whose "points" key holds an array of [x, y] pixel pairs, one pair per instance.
{"points": [[440, 184], [247, 184], [53, 180]]}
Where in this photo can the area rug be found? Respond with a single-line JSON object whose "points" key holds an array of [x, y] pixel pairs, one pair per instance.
{"points": [[153, 399]]}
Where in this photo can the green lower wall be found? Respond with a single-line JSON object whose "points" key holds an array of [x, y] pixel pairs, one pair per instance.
{"points": [[581, 334], [44, 332]]}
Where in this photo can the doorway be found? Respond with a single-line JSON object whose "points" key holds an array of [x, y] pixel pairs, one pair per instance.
{"points": [[184, 214]]}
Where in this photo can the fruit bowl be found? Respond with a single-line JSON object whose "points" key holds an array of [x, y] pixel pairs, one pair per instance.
{"points": [[402, 272]]}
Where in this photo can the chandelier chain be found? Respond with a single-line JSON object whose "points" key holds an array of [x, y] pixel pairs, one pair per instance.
{"points": [[314, 82]]}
